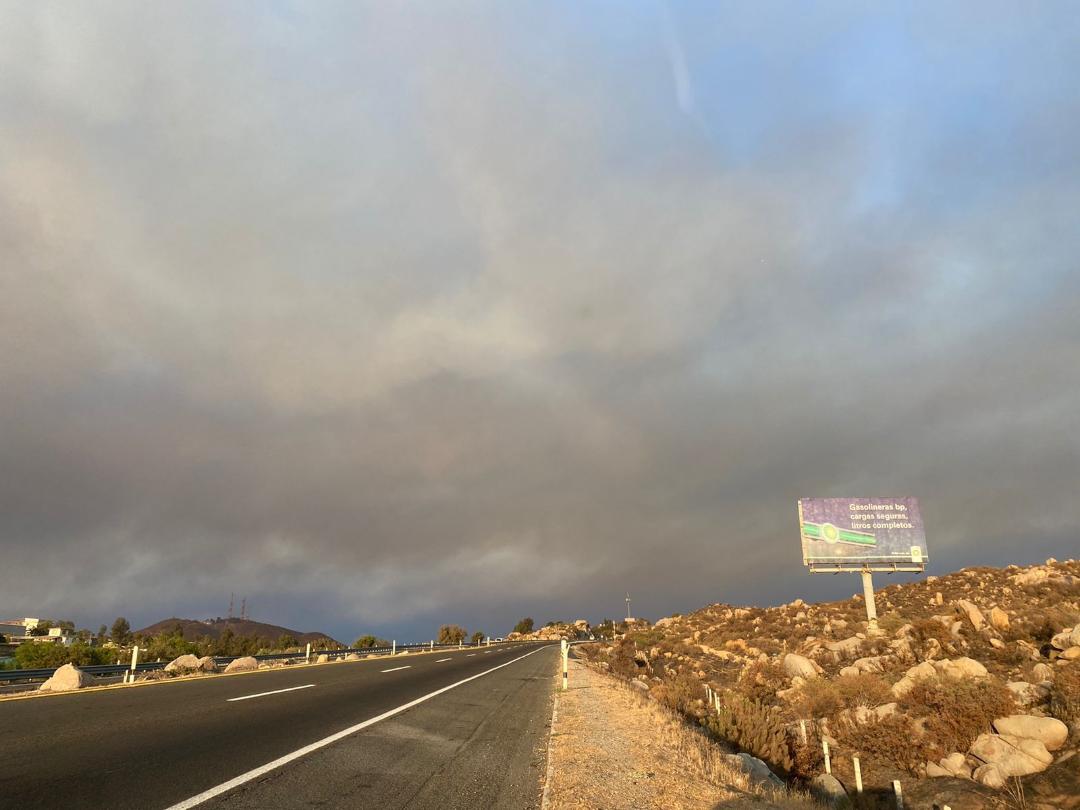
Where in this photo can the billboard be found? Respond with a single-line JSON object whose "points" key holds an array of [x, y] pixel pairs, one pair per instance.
{"points": [[853, 533]]}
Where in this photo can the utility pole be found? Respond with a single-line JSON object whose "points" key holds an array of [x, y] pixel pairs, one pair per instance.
{"points": [[243, 609]]}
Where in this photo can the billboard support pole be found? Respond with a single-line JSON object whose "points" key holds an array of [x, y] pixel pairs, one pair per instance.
{"points": [[871, 605]]}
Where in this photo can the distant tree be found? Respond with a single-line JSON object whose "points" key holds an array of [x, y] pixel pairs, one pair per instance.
{"points": [[477, 637], [102, 633], [365, 641], [38, 631], [84, 635], [285, 641], [3, 639], [31, 655], [451, 634], [66, 624], [121, 631], [524, 626]]}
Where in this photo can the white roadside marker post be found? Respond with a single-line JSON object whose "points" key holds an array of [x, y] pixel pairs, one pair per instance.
{"points": [[432, 647], [307, 655], [130, 677], [828, 762], [716, 700], [393, 648], [899, 794], [565, 653], [858, 774]]}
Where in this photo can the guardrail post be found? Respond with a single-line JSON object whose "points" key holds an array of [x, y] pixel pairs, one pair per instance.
{"points": [[307, 655], [393, 649], [432, 647]]}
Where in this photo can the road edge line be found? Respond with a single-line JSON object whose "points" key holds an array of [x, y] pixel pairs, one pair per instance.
{"points": [[255, 773], [545, 799]]}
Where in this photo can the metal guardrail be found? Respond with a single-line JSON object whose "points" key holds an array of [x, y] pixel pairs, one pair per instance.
{"points": [[105, 670]]}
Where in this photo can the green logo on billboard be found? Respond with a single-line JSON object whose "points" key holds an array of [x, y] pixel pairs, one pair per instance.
{"points": [[832, 535]]}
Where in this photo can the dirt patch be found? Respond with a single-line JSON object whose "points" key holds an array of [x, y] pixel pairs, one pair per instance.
{"points": [[612, 747]]}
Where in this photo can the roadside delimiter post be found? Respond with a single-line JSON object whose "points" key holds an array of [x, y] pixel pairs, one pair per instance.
{"points": [[307, 655], [134, 662], [565, 654]]}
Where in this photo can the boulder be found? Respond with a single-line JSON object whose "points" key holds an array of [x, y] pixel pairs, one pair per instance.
{"points": [[244, 664], [990, 776], [919, 672], [1050, 732], [827, 788], [755, 769], [961, 668], [1028, 694], [935, 771], [665, 621], [352, 657], [1070, 654], [1062, 640], [207, 664], [67, 678], [956, 764], [974, 615], [1042, 672], [322, 659], [999, 619], [185, 663], [641, 686], [1013, 756], [1074, 637], [800, 665]]}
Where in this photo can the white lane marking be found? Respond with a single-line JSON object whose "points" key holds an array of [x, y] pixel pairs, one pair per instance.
{"points": [[486, 652], [255, 773], [395, 669], [275, 692], [443, 659], [470, 655]]}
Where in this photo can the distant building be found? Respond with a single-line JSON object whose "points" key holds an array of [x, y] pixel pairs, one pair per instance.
{"points": [[18, 630]]}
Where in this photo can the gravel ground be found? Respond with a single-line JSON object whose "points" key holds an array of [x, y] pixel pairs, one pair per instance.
{"points": [[612, 747]]}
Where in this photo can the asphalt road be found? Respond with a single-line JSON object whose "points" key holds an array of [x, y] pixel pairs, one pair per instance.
{"points": [[477, 744]]}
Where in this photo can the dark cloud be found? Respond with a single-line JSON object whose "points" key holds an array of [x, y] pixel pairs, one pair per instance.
{"points": [[382, 317]]}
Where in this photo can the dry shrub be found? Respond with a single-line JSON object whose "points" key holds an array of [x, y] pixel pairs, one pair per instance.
{"points": [[753, 727], [761, 680], [863, 689], [889, 741], [1065, 694], [680, 693], [958, 711], [818, 698], [932, 629]]}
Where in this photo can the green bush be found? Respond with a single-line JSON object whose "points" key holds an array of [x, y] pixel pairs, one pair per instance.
{"points": [[451, 634], [524, 626], [42, 655]]}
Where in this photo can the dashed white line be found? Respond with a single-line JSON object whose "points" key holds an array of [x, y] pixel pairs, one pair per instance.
{"points": [[443, 659], [255, 773], [470, 655], [395, 669], [275, 692]]}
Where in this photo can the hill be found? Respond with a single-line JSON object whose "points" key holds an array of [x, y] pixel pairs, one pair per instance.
{"points": [[246, 628], [973, 682]]}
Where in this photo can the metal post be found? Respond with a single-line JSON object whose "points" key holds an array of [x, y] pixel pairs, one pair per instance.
{"points": [[871, 606], [565, 653], [858, 774]]}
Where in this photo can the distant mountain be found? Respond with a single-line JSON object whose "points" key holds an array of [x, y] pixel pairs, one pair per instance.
{"points": [[240, 627]]}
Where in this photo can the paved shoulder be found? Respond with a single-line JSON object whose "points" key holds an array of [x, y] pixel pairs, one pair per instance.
{"points": [[479, 745]]}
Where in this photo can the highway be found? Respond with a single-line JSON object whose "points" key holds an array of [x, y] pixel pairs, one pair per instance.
{"points": [[454, 729]]}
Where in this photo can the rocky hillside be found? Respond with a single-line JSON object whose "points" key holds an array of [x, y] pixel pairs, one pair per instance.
{"points": [[971, 690], [247, 628]]}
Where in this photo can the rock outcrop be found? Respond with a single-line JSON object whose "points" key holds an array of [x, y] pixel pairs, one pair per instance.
{"points": [[245, 664]]}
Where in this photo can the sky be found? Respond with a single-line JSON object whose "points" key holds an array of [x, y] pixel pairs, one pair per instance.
{"points": [[388, 315]]}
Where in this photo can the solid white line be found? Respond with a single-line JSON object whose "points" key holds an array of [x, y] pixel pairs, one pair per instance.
{"points": [[443, 659], [275, 692], [395, 669], [255, 773]]}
